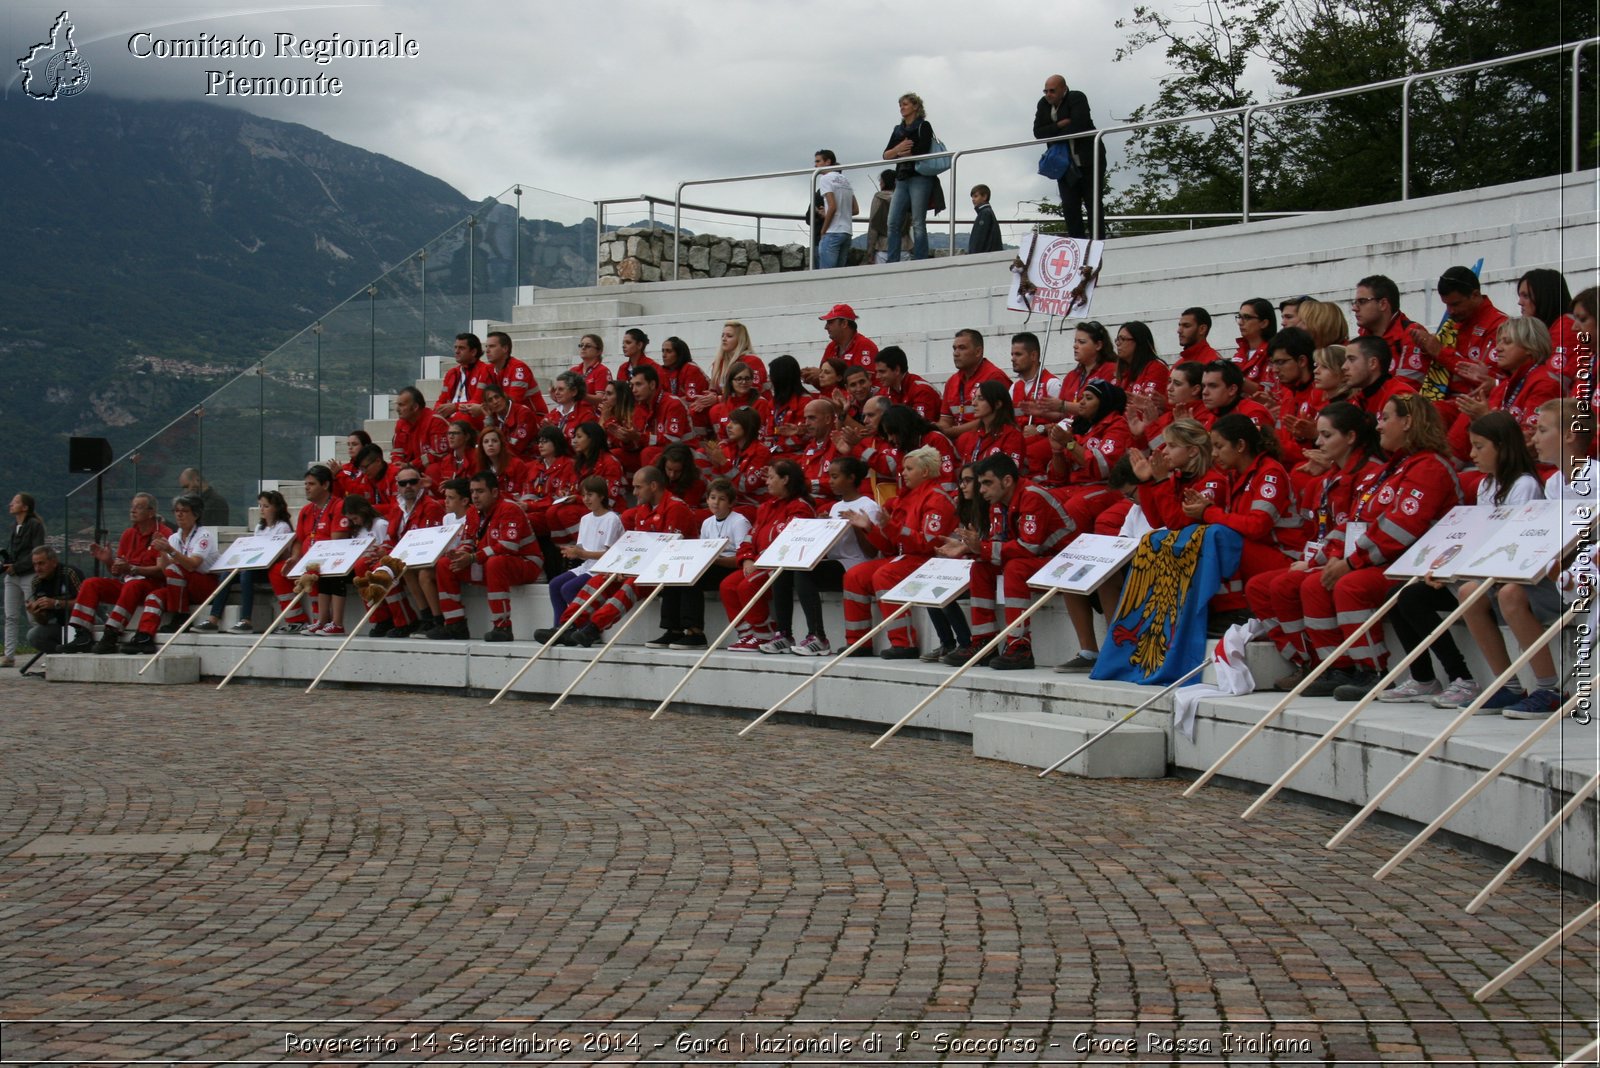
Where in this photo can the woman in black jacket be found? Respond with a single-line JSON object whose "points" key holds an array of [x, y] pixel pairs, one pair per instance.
{"points": [[26, 536]]}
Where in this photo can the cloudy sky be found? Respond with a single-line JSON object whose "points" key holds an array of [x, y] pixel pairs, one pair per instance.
{"points": [[598, 100]]}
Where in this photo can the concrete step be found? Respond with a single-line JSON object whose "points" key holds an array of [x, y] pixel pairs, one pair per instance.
{"points": [[173, 669], [548, 312], [1039, 739], [382, 431]]}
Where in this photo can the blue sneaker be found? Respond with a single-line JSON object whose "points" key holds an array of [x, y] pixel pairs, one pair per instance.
{"points": [[1504, 698], [1540, 704]]}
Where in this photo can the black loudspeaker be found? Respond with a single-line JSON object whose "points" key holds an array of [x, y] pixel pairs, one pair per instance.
{"points": [[88, 456]]}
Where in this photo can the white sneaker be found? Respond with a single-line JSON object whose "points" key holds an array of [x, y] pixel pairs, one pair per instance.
{"points": [[1459, 694], [1410, 690], [813, 646], [777, 644]]}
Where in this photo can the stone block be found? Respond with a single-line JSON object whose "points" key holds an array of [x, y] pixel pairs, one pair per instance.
{"points": [[173, 669], [628, 270], [1039, 739], [700, 258], [649, 272], [755, 267], [769, 263], [739, 255], [792, 257]]}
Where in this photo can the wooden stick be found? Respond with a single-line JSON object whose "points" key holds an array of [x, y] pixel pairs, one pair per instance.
{"points": [[1305, 683], [1461, 718], [186, 624], [962, 670], [622, 626], [348, 638], [1527, 851], [712, 647], [1152, 699], [1476, 788], [555, 639], [1537, 953], [290, 607], [852, 647], [1586, 1055], [1372, 695]]}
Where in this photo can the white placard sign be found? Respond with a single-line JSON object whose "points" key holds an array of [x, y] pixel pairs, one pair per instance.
{"points": [[681, 563], [1082, 566], [334, 558], [934, 584], [631, 552], [254, 550], [803, 544], [1056, 268], [423, 546], [1525, 545], [1438, 551]]}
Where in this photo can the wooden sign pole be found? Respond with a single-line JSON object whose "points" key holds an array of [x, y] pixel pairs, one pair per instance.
{"points": [[604, 649], [1538, 953], [713, 646], [1527, 851], [1152, 699], [555, 639], [290, 607], [348, 638], [186, 624]]}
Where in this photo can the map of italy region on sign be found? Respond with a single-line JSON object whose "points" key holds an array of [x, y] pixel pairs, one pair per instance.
{"points": [[632, 552], [803, 544], [934, 584], [1082, 566]]}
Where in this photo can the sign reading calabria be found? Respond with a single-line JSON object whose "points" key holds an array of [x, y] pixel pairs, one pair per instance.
{"points": [[291, 47]]}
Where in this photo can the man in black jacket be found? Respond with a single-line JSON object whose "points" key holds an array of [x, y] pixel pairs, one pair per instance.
{"points": [[1066, 111], [55, 586]]}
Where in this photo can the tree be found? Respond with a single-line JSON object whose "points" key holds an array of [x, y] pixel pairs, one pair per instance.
{"points": [[1466, 130]]}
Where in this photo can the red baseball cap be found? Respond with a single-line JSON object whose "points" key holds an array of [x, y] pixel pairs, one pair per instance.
{"points": [[839, 311]]}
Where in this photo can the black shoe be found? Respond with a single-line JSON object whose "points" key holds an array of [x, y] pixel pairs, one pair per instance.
{"points": [[450, 632], [688, 641], [500, 634], [899, 652], [1328, 682], [1357, 686], [961, 655], [1015, 658], [140, 643], [664, 640], [81, 642], [404, 630], [585, 635], [381, 629], [169, 627], [106, 644], [544, 634]]}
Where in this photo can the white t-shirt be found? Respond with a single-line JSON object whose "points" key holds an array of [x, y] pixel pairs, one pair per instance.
{"points": [[736, 528], [848, 551], [1522, 491], [597, 533], [843, 196]]}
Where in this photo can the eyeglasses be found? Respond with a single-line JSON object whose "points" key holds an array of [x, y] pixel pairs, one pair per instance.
{"points": [[407, 481], [1362, 301], [1242, 317], [1124, 339], [588, 345]]}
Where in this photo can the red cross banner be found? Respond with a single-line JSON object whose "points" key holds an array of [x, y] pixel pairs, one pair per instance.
{"points": [[1055, 275]]}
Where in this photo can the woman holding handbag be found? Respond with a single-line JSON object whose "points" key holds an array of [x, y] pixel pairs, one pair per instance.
{"points": [[914, 191]]}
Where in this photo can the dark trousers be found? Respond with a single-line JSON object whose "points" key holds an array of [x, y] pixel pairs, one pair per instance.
{"points": [[1074, 187], [1415, 615], [827, 575], [684, 607], [950, 623]]}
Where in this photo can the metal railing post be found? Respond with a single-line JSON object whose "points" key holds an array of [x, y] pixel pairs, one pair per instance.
{"points": [[599, 235], [1405, 140], [1244, 171], [516, 235], [954, 199], [1098, 148], [811, 225], [1577, 104], [677, 227]]}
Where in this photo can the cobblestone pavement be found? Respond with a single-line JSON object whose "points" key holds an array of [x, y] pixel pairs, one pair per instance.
{"points": [[424, 865]]}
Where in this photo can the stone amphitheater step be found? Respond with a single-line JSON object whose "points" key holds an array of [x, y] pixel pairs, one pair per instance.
{"points": [[557, 312]]}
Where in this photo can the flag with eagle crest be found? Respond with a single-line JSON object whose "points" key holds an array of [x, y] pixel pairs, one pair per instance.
{"points": [[1159, 632]]}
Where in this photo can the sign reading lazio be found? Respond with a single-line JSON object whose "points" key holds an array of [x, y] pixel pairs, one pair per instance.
{"points": [[1057, 275]]}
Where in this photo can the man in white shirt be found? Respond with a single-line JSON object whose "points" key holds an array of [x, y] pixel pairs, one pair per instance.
{"points": [[833, 249]]}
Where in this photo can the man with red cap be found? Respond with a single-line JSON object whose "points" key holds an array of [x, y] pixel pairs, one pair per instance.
{"points": [[845, 341]]}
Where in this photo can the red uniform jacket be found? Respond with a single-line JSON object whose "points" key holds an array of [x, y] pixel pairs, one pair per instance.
{"points": [[516, 479], [548, 480], [1076, 380], [1371, 399], [421, 441], [1162, 502], [791, 414], [1261, 506], [1406, 358], [569, 422], [1302, 403], [595, 379], [1023, 392], [670, 514], [747, 469], [1200, 352], [1032, 524], [625, 369], [1253, 362], [1259, 414], [1398, 503], [686, 381], [1103, 446], [1474, 342], [464, 385], [427, 512], [814, 462], [661, 422], [516, 379], [607, 467], [1150, 382], [861, 352], [134, 548], [956, 401], [1326, 500], [1563, 350], [720, 411], [380, 493], [520, 425], [977, 445], [315, 524], [1519, 395], [771, 518], [504, 532], [346, 479], [441, 471], [917, 395], [918, 522]]}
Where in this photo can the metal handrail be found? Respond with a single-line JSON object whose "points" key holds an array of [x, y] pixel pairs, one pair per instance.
{"points": [[1244, 111]]}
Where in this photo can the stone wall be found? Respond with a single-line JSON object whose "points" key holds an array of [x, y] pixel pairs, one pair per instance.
{"points": [[635, 254]]}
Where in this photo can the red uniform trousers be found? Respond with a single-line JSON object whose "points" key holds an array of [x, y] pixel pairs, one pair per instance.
{"points": [[1331, 617], [1109, 519], [561, 521], [1274, 598], [737, 590], [1005, 588], [183, 589], [283, 587], [1038, 453], [396, 609], [500, 573], [621, 597], [124, 598], [1256, 559], [1083, 505], [864, 584]]}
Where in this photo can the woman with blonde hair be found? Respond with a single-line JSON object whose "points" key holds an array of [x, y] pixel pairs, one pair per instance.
{"points": [[1325, 322], [1327, 373], [914, 192]]}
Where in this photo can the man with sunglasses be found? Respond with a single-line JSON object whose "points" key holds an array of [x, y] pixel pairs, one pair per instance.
{"points": [[411, 510]]}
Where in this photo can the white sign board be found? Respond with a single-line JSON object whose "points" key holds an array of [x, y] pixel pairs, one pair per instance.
{"points": [[1438, 551], [423, 546], [254, 550], [1528, 543], [1062, 271], [1082, 566], [681, 563], [333, 558], [803, 544], [631, 552], [934, 584]]}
